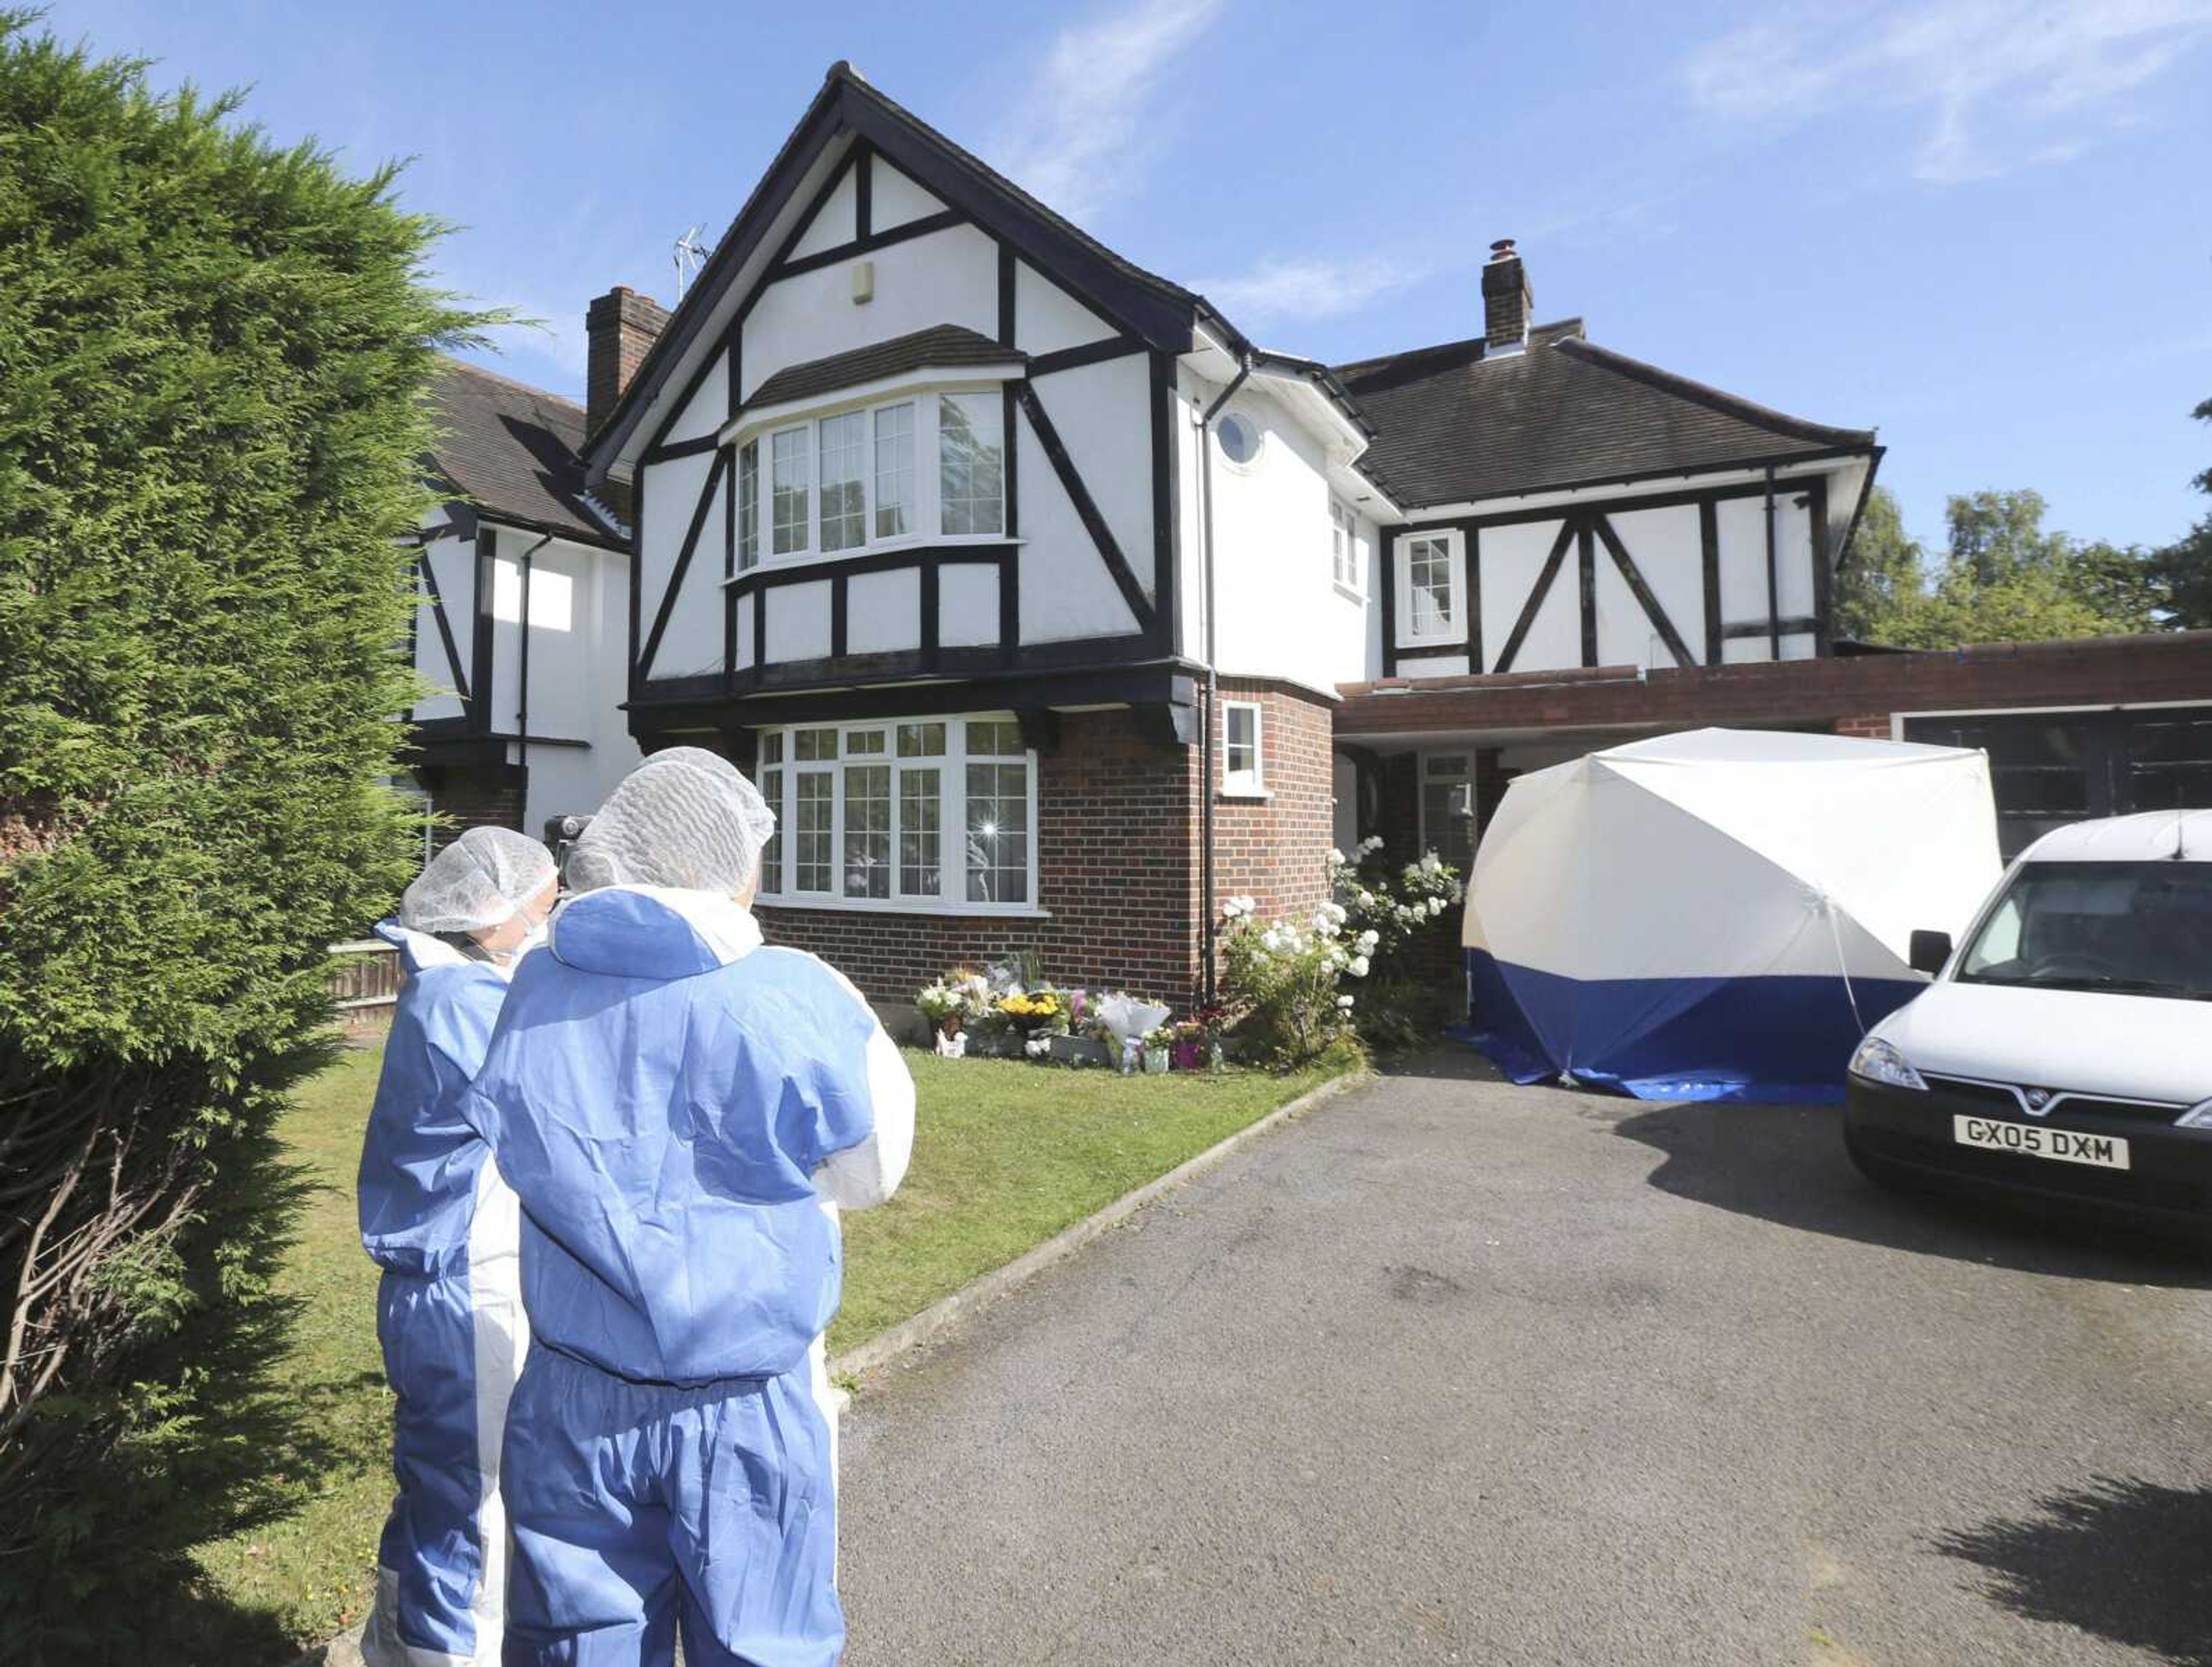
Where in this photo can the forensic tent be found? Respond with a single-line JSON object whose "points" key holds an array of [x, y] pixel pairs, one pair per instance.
{"points": [[1719, 915]]}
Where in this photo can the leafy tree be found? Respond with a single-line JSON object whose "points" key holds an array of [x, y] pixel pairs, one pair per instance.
{"points": [[1884, 574], [212, 355], [2183, 568], [2003, 578]]}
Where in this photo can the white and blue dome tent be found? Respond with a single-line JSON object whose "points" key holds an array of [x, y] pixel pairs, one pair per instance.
{"points": [[1718, 914]]}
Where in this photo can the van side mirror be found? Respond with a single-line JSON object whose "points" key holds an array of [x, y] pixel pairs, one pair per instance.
{"points": [[1929, 950]]}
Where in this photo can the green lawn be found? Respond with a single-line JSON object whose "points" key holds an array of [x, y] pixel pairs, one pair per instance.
{"points": [[1005, 1155]]}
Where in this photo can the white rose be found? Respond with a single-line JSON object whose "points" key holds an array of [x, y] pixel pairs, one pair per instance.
{"points": [[1368, 940], [1345, 1002], [1336, 856], [1358, 967]]}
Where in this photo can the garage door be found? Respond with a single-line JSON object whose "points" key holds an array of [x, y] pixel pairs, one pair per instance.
{"points": [[2052, 767]]}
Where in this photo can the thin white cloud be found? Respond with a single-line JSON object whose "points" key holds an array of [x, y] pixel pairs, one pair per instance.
{"points": [[1081, 134], [1299, 289], [1998, 86]]}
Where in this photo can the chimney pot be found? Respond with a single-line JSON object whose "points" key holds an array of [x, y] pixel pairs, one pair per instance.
{"points": [[1507, 301]]}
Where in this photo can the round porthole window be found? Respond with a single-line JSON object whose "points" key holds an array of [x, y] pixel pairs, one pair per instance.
{"points": [[1240, 437]]}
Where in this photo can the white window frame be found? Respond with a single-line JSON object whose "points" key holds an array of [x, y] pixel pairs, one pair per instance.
{"points": [[1245, 784], [1453, 630], [777, 888], [1346, 569], [925, 512], [1462, 778]]}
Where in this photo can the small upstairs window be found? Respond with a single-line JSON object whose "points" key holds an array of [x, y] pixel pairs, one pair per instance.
{"points": [[1343, 545]]}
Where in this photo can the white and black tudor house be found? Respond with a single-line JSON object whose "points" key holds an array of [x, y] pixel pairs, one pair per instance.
{"points": [[1049, 609]]}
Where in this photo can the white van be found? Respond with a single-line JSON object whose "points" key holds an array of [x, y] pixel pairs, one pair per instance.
{"points": [[2065, 1049]]}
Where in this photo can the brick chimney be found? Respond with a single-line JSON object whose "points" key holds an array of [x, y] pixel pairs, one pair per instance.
{"points": [[620, 327], [1506, 300]]}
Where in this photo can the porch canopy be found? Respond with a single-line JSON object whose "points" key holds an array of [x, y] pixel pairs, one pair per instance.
{"points": [[1719, 915]]}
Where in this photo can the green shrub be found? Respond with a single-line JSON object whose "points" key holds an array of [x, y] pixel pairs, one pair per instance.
{"points": [[212, 354], [1283, 980]]}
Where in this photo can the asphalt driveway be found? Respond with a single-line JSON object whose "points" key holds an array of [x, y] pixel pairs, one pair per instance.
{"points": [[1454, 1372]]}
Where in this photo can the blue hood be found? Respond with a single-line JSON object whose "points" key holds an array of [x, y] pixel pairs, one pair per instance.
{"points": [[643, 932]]}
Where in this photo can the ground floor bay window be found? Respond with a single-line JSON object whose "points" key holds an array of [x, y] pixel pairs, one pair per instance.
{"points": [[932, 813]]}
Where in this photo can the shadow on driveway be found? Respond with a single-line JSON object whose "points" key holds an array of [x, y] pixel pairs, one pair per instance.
{"points": [[2122, 1559], [1785, 1164]]}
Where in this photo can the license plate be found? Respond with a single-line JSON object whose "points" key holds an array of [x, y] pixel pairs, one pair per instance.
{"points": [[2030, 1140]]}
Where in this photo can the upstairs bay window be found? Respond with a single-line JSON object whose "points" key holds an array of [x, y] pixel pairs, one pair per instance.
{"points": [[791, 473], [864, 810], [748, 506], [850, 481]]}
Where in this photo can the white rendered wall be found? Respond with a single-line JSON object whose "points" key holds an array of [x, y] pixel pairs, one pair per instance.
{"points": [[1047, 318], [1511, 557], [1668, 551], [1101, 413], [967, 605], [1280, 613], [798, 621], [894, 199], [452, 562], [883, 612], [669, 495], [950, 276], [834, 224], [709, 408]]}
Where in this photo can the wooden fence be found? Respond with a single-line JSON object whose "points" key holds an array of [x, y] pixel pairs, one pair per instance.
{"points": [[364, 982]]}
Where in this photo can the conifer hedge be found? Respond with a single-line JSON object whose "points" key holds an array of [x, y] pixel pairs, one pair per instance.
{"points": [[212, 355]]}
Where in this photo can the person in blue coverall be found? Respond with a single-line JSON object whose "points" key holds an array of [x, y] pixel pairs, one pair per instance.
{"points": [[436, 1218], [682, 1112]]}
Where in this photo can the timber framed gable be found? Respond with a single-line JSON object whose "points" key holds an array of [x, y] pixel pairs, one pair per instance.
{"points": [[1078, 567]]}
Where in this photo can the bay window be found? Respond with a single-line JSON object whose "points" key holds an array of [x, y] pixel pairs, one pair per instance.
{"points": [[862, 812], [844, 497], [748, 506], [970, 459], [895, 469], [790, 478], [841, 482]]}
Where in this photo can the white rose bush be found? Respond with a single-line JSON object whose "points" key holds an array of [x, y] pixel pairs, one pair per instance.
{"points": [[1286, 978], [1308, 987]]}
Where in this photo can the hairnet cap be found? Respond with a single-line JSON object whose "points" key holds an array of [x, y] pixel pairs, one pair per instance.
{"points": [[476, 882], [685, 818]]}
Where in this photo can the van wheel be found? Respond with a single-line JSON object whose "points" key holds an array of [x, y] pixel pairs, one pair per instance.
{"points": [[1890, 1177]]}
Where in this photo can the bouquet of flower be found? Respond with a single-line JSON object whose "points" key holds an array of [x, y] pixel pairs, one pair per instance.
{"points": [[1034, 1011], [954, 1001], [1126, 1019], [1191, 1044]]}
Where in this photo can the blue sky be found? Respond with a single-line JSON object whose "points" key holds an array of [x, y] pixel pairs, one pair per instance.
{"points": [[1985, 227]]}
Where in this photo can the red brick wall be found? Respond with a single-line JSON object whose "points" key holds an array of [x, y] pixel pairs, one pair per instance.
{"points": [[1867, 726], [1117, 855], [1275, 849], [475, 797], [620, 328]]}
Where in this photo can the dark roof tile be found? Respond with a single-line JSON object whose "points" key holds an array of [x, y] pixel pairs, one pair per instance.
{"points": [[1457, 425], [511, 450]]}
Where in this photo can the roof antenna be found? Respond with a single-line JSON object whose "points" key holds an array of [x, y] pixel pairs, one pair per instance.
{"points": [[691, 255]]}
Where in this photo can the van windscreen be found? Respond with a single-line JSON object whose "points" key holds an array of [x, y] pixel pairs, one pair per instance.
{"points": [[2133, 929]]}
